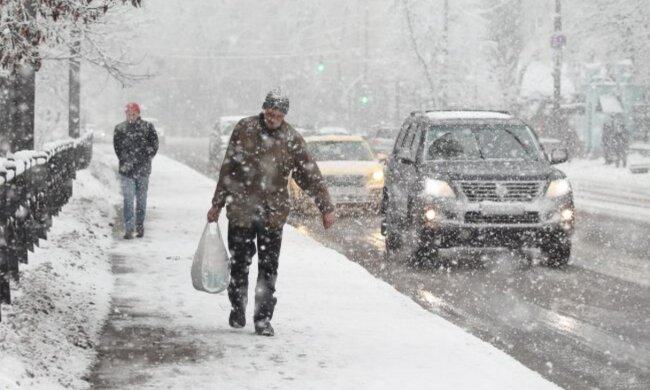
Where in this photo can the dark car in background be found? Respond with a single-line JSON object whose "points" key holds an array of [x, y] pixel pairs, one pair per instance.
{"points": [[219, 138], [474, 179], [382, 140]]}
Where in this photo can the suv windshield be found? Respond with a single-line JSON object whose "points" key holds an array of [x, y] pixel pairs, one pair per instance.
{"points": [[340, 151], [481, 142]]}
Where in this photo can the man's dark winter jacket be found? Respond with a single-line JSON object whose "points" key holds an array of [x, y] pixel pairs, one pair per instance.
{"points": [[135, 145], [255, 172]]}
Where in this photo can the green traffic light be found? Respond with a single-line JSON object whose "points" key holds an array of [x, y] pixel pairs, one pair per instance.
{"points": [[365, 100], [320, 67]]}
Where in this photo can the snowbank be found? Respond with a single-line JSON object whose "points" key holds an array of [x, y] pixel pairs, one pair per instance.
{"points": [[48, 335]]}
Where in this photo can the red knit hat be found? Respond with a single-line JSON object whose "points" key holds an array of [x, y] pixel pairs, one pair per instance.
{"points": [[133, 106]]}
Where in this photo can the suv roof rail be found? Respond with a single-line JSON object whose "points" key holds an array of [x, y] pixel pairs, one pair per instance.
{"points": [[414, 113]]}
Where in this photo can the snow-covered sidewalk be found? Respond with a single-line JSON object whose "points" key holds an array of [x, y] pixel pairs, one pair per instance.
{"points": [[336, 325], [605, 189]]}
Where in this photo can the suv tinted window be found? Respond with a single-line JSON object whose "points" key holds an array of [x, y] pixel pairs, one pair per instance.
{"points": [[400, 137], [481, 142], [416, 140]]}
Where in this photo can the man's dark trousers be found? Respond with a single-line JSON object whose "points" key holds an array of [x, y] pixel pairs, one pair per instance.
{"points": [[241, 242]]}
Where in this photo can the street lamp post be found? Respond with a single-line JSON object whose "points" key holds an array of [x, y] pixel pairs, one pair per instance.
{"points": [[558, 40]]}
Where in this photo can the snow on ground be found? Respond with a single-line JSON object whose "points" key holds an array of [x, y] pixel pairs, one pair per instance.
{"points": [[617, 192], [336, 325], [48, 335]]}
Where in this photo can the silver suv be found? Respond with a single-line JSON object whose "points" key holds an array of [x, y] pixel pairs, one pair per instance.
{"points": [[477, 179]]}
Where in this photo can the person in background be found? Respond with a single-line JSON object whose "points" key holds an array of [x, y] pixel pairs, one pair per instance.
{"points": [[263, 152], [136, 143], [607, 136], [620, 143]]}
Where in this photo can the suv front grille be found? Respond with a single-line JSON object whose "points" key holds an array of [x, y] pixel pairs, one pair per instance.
{"points": [[501, 191], [477, 217], [345, 181]]}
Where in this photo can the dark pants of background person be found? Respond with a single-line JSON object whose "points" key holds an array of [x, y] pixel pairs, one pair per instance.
{"points": [[241, 242], [134, 190]]}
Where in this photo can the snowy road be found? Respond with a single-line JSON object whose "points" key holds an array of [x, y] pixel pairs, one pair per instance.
{"points": [[582, 327], [585, 326]]}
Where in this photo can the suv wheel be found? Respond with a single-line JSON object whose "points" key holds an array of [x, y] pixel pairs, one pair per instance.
{"points": [[557, 250]]}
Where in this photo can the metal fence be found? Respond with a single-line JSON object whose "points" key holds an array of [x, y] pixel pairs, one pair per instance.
{"points": [[34, 187]]}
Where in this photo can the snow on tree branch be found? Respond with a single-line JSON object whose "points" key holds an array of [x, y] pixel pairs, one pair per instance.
{"points": [[28, 25]]}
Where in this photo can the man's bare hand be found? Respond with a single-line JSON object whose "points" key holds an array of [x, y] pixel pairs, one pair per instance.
{"points": [[213, 214], [328, 220]]}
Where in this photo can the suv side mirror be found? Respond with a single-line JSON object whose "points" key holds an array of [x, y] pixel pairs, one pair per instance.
{"points": [[559, 156]]}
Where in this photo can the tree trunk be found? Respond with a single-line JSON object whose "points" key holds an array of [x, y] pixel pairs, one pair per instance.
{"points": [[74, 91], [22, 134], [6, 118]]}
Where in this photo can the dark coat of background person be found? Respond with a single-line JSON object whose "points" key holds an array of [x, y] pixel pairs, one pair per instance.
{"points": [[135, 146], [254, 176]]}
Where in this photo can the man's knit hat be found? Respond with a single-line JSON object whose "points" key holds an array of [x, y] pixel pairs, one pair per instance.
{"points": [[133, 106], [276, 100]]}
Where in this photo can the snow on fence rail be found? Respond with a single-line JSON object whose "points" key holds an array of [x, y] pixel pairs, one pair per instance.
{"points": [[34, 187]]}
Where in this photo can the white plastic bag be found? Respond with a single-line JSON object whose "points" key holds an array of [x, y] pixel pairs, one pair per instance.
{"points": [[211, 265]]}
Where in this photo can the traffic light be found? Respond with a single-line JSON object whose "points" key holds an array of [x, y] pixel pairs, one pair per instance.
{"points": [[320, 67], [364, 99]]}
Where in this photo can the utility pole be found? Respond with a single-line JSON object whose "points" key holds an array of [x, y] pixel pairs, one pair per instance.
{"points": [[444, 76], [398, 116], [74, 84], [557, 43], [365, 44]]}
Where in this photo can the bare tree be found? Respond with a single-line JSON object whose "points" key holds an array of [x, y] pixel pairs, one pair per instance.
{"points": [[506, 39], [426, 66], [27, 27]]}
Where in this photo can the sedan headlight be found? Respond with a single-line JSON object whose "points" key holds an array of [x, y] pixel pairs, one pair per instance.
{"points": [[438, 188], [377, 176], [557, 188]]}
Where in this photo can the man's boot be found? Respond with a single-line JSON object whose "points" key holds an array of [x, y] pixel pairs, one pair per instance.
{"points": [[139, 231], [264, 328], [237, 318]]}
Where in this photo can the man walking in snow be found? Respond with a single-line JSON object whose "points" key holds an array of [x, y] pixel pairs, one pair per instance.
{"points": [[263, 152], [136, 143]]}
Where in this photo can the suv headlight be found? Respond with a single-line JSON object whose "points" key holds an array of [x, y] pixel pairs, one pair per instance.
{"points": [[557, 188], [438, 188]]}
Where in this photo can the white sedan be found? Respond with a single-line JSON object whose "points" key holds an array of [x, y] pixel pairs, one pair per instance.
{"points": [[350, 169]]}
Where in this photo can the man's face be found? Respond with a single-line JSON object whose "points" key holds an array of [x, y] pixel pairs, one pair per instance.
{"points": [[273, 118], [132, 115]]}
